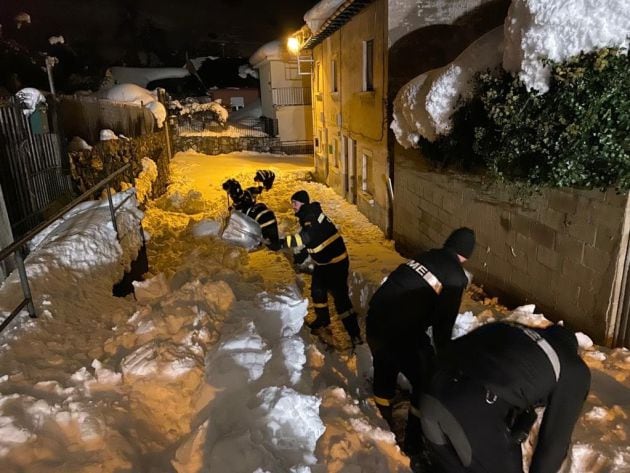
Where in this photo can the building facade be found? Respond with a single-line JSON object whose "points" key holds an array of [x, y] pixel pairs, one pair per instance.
{"points": [[349, 83], [284, 93]]}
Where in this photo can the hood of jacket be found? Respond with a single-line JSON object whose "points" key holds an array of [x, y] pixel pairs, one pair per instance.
{"points": [[309, 212]]}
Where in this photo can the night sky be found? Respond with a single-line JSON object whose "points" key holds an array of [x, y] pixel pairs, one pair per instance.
{"points": [[114, 30]]}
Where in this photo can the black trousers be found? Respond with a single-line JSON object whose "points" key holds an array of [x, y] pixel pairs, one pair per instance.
{"points": [[333, 279], [466, 428], [412, 356]]}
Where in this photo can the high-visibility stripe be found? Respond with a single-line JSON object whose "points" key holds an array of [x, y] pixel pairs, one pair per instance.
{"points": [[320, 305], [427, 275], [324, 244], [381, 401], [545, 347], [297, 239], [266, 224], [334, 260], [321, 217], [261, 214]]}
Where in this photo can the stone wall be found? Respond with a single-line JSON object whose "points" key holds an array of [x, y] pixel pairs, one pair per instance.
{"points": [[91, 166], [226, 144], [557, 249]]}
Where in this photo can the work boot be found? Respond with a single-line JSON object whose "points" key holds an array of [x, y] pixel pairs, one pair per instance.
{"points": [[351, 324], [320, 321]]}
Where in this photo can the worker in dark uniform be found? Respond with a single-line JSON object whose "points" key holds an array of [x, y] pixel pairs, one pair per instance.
{"points": [[421, 293], [319, 238], [481, 402], [245, 202]]}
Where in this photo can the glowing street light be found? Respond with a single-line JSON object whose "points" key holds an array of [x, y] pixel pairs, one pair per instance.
{"points": [[293, 44]]}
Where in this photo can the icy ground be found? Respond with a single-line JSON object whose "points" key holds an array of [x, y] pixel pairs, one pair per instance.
{"points": [[209, 368]]}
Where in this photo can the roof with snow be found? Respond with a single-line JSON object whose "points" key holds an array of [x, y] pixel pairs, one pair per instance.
{"points": [[340, 17]]}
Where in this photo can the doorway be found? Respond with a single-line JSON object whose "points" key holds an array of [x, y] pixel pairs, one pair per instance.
{"points": [[350, 165]]}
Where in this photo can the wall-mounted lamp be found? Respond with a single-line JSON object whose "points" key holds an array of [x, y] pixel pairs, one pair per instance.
{"points": [[293, 44]]}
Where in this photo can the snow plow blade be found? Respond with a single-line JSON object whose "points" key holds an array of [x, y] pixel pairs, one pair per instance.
{"points": [[242, 231]]}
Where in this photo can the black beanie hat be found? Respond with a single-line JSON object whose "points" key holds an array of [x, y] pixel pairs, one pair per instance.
{"points": [[461, 241], [301, 196]]}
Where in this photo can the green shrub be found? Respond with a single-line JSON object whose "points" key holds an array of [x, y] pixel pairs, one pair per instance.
{"points": [[575, 135]]}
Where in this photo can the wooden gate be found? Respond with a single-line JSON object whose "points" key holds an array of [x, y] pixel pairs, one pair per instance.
{"points": [[31, 172]]}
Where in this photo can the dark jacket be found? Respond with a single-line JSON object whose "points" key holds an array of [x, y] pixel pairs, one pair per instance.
{"points": [[406, 304], [265, 217], [318, 235], [509, 363]]}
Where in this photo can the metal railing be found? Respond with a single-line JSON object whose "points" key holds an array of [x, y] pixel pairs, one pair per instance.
{"points": [[205, 124], [19, 247], [291, 95]]}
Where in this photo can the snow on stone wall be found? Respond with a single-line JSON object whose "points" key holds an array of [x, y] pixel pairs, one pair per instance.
{"points": [[558, 30], [424, 106], [533, 29]]}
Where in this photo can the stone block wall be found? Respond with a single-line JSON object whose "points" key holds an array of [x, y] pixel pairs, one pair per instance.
{"points": [[226, 144], [91, 166], [558, 249]]}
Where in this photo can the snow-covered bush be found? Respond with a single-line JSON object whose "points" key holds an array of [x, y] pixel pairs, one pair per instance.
{"points": [[575, 135], [192, 107]]}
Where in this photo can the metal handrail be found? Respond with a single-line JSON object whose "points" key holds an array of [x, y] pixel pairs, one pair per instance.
{"points": [[18, 247]]}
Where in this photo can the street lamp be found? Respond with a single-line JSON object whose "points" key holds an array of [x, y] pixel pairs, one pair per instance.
{"points": [[293, 44]]}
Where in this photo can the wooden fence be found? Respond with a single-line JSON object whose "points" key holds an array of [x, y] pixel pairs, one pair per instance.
{"points": [[87, 116], [31, 171]]}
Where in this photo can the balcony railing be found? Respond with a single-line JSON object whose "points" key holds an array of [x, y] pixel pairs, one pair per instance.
{"points": [[291, 96]]}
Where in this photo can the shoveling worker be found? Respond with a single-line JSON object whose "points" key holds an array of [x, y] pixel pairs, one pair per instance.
{"points": [[319, 238], [421, 293], [245, 202], [480, 405]]}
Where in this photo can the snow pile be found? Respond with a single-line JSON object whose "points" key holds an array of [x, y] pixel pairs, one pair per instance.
{"points": [[558, 30], [133, 94], [56, 40], [22, 19], [30, 98], [533, 30], [209, 368], [272, 50], [318, 15], [78, 144], [146, 178], [246, 70], [424, 106], [107, 135], [141, 76]]}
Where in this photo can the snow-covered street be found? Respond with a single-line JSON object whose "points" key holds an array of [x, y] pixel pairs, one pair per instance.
{"points": [[208, 368]]}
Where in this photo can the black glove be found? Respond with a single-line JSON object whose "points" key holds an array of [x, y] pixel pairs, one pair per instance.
{"points": [[275, 245], [299, 258], [521, 424], [352, 327]]}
